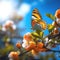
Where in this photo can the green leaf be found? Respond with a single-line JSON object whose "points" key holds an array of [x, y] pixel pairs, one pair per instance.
{"points": [[34, 33], [50, 27], [41, 34], [0, 27], [6, 39], [5, 50], [50, 16]]}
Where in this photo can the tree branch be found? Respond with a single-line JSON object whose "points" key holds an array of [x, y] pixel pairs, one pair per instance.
{"points": [[2, 34], [48, 50]]}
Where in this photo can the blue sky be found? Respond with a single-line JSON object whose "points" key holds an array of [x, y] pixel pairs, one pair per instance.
{"points": [[25, 8], [44, 6]]}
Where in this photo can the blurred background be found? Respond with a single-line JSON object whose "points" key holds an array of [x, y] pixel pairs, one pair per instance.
{"points": [[20, 12]]}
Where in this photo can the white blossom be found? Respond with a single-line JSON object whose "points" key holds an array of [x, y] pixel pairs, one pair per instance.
{"points": [[46, 40], [55, 41], [25, 43], [50, 40], [27, 33], [3, 28], [14, 27]]}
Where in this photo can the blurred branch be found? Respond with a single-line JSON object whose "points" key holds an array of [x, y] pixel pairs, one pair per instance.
{"points": [[2, 34], [48, 50], [16, 36], [53, 36]]}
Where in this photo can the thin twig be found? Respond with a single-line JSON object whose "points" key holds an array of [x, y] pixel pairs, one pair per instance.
{"points": [[48, 50]]}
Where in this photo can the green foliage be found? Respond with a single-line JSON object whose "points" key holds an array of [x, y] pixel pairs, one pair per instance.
{"points": [[38, 33], [50, 16], [0, 27], [6, 39], [50, 27], [4, 51]]}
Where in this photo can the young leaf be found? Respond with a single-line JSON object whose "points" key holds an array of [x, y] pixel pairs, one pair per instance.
{"points": [[50, 16]]}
